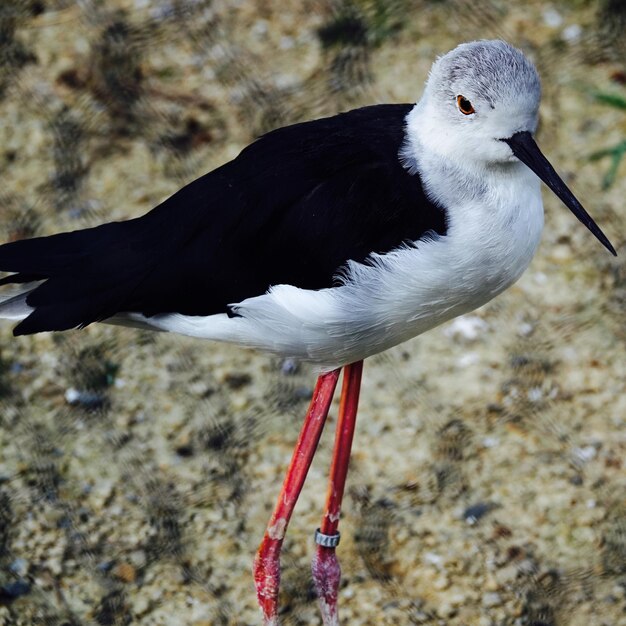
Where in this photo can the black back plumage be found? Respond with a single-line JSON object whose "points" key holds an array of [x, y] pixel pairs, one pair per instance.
{"points": [[292, 208]]}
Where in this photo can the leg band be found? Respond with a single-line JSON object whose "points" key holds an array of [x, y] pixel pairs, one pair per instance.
{"points": [[327, 541]]}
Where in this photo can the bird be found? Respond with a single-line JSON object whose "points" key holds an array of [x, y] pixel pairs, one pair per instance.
{"points": [[326, 241]]}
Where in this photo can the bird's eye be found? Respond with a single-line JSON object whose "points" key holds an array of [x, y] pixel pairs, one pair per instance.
{"points": [[465, 106]]}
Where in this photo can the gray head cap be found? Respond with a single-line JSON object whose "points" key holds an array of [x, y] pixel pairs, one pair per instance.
{"points": [[492, 69]]}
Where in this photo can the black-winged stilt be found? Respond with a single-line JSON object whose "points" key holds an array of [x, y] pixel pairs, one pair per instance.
{"points": [[328, 241]]}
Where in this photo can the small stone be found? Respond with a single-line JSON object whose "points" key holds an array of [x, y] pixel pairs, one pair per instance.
{"points": [[198, 388], [474, 513], [14, 589], [138, 558], [125, 572], [491, 598], [561, 252], [467, 327], [72, 395], [141, 604], [552, 18], [104, 566], [572, 33], [289, 367], [87, 399], [259, 29], [525, 329], [584, 454], [468, 359], [239, 403], [457, 599], [183, 445], [19, 567], [101, 493], [433, 559], [446, 610], [490, 442]]}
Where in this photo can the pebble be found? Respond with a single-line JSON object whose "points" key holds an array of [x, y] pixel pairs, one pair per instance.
{"points": [[259, 29], [490, 442], [433, 559], [572, 33], [138, 558], [141, 604], [87, 399], [491, 598], [14, 589], [286, 43], [561, 252], [467, 360], [19, 567], [446, 609], [101, 493], [584, 454], [289, 367], [199, 388], [54, 565], [104, 566], [552, 18], [468, 327], [125, 572], [239, 403], [474, 513], [457, 599]]}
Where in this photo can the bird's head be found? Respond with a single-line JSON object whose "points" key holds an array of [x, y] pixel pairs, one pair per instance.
{"points": [[476, 95], [480, 110]]}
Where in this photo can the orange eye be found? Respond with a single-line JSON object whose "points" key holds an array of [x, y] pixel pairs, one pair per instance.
{"points": [[465, 106]]}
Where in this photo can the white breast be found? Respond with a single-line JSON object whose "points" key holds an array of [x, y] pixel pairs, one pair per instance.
{"points": [[492, 235]]}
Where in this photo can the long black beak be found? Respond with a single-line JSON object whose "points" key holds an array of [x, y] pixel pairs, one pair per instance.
{"points": [[527, 151]]}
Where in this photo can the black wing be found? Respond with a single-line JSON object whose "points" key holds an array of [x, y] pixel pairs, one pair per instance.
{"points": [[292, 208]]}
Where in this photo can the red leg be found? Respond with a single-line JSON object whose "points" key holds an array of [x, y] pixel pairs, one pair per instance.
{"points": [[267, 562], [325, 567]]}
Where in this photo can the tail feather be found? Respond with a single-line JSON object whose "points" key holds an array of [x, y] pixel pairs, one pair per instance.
{"points": [[62, 304], [94, 274], [84, 276], [15, 279], [13, 304], [42, 255]]}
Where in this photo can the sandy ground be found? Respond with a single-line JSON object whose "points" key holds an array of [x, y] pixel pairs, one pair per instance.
{"points": [[137, 471]]}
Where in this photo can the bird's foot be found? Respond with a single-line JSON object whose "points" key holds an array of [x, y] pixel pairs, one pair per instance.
{"points": [[266, 570], [326, 578]]}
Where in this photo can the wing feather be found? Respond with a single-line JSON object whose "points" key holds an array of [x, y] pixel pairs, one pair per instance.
{"points": [[293, 208]]}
